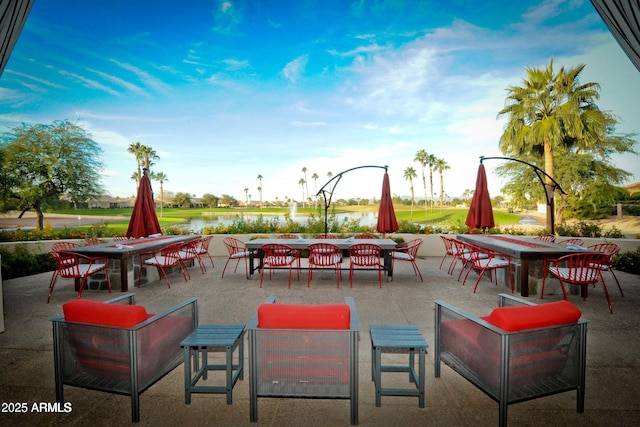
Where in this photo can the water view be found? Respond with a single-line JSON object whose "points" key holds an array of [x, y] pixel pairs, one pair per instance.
{"points": [[214, 220]]}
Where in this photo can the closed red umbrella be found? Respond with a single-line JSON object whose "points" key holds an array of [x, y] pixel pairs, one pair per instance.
{"points": [[144, 221], [387, 222], [480, 212]]}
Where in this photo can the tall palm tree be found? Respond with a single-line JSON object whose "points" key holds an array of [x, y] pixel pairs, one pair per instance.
{"points": [[246, 196], [260, 189], [548, 111], [135, 148], [315, 177], [148, 155], [441, 165], [302, 182], [431, 160], [304, 171], [161, 177], [409, 174], [422, 158]]}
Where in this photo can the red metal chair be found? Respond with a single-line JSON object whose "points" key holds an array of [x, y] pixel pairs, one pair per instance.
{"points": [[462, 252], [364, 255], [90, 241], [483, 260], [322, 255], [288, 236], [202, 248], [188, 254], [365, 236], [547, 238], [326, 236], [449, 250], [573, 241], [75, 266], [579, 269], [610, 250], [63, 246], [120, 238], [409, 252], [277, 256], [165, 258], [237, 251]]}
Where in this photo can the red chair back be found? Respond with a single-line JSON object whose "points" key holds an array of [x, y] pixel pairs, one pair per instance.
{"points": [[324, 254], [364, 254]]}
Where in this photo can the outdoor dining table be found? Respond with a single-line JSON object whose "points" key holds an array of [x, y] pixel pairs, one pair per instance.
{"points": [[128, 248], [525, 250], [386, 248]]}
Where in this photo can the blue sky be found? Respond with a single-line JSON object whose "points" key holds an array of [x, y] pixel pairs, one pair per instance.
{"points": [[226, 90]]}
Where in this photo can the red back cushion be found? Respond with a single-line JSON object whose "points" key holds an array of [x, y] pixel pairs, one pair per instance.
{"points": [[101, 313], [536, 316], [304, 316]]}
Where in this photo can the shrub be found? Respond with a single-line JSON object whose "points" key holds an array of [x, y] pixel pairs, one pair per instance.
{"points": [[21, 262], [627, 261]]}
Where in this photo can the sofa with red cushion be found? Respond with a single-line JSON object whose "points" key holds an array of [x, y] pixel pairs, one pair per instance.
{"points": [[117, 347], [520, 351], [304, 350]]}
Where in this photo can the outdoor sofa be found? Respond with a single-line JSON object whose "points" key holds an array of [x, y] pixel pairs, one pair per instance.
{"points": [[117, 347], [520, 351], [304, 351]]}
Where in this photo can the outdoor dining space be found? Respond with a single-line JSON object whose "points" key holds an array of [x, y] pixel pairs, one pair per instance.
{"points": [[612, 348]]}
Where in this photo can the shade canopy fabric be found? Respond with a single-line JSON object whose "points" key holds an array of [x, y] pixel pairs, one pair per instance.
{"points": [[623, 19], [480, 212], [13, 15], [387, 222], [144, 221]]}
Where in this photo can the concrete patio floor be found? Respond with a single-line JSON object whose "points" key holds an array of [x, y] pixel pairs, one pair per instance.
{"points": [[612, 386]]}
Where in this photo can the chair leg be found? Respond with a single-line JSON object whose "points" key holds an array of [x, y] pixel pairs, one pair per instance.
{"points": [[52, 284], [617, 282], [417, 270]]}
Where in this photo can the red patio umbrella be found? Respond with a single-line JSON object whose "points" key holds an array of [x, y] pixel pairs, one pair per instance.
{"points": [[387, 222], [144, 221], [480, 212]]}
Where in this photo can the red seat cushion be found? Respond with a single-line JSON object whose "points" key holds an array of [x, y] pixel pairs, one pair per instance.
{"points": [[101, 313], [535, 316], [304, 316]]}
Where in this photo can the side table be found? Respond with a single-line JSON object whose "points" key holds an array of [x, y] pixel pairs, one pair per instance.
{"points": [[398, 339], [213, 338]]}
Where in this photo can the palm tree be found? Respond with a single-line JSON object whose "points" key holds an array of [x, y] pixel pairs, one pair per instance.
{"points": [[422, 158], [304, 171], [431, 160], [246, 196], [161, 177], [441, 165], [550, 111], [260, 189], [315, 177], [148, 155], [409, 174], [135, 148], [302, 182]]}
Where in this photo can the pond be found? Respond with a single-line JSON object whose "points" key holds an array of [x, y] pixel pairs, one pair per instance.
{"points": [[214, 220]]}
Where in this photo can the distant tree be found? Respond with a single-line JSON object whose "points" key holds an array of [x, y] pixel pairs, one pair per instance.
{"points": [[148, 156], [302, 182], [182, 200], [44, 162], [227, 200], [161, 177], [260, 189], [246, 196], [441, 165], [304, 171], [409, 174], [423, 158], [315, 177], [210, 200]]}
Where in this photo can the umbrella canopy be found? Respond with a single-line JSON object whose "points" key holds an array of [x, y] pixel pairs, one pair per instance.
{"points": [[144, 221], [480, 212], [387, 222]]}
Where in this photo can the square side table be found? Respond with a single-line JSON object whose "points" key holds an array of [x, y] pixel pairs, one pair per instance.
{"points": [[208, 338], [398, 339]]}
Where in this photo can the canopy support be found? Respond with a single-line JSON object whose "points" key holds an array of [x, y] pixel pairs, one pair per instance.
{"points": [[329, 191], [549, 188]]}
